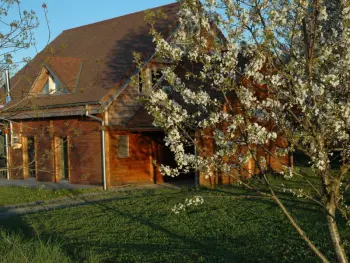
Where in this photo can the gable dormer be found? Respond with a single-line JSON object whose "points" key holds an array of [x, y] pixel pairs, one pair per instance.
{"points": [[47, 83], [58, 76]]}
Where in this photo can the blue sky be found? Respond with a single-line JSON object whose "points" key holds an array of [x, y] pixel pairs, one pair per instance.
{"points": [[65, 14]]}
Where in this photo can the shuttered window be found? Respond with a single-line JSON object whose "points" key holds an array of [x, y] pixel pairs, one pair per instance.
{"points": [[123, 146]]}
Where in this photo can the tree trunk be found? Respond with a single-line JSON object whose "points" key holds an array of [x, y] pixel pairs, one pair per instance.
{"points": [[334, 233], [299, 230]]}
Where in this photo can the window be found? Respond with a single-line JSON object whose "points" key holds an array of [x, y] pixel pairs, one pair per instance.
{"points": [[141, 82], [51, 85], [46, 88], [123, 146], [29, 157], [167, 89], [156, 75], [148, 79], [62, 162]]}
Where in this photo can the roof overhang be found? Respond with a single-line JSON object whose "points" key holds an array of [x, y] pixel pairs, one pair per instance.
{"points": [[47, 112]]}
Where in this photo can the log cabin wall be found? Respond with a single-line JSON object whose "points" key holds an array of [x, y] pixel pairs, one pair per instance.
{"points": [[124, 107], [138, 166], [15, 157], [84, 149], [128, 102], [275, 162], [207, 146], [279, 162]]}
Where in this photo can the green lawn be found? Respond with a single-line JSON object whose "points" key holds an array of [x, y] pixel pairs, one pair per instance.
{"points": [[15, 248], [140, 227], [19, 194]]}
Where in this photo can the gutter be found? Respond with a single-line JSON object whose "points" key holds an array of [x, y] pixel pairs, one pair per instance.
{"points": [[55, 106], [103, 136]]}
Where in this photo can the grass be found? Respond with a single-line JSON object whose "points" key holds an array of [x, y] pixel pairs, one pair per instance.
{"points": [[15, 248], [22, 194], [232, 225]]}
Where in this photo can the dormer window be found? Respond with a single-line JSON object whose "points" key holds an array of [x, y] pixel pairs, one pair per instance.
{"points": [[58, 76], [156, 75], [51, 85]]}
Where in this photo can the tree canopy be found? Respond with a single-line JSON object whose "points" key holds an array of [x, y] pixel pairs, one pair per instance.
{"points": [[278, 69]]}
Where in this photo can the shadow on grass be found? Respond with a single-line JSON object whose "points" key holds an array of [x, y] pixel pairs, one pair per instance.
{"points": [[204, 249], [207, 246], [217, 244]]}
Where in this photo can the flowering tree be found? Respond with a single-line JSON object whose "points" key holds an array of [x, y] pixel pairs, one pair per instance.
{"points": [[282, 68]]}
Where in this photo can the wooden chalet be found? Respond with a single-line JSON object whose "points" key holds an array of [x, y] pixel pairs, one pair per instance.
{"points": [[74, 112]]}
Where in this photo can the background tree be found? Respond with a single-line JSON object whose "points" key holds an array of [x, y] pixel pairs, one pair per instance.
{"points": [[17, 28], [297, 54], [17, 33]]}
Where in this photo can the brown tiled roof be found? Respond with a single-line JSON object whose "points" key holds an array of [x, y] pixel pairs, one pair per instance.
{"points": [[104, 50]]}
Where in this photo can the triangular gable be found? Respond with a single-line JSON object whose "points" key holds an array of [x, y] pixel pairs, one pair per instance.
{"points": [[67, 70], [45, 83], [58, 76]]}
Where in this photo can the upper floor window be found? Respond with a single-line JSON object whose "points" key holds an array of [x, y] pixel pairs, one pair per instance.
{"points": [[156, 75], [141, 82], [148, 79], [51, 85], [58, 76]]}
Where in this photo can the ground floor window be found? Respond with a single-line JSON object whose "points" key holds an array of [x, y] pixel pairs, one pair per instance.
{"points": [[62, 157], [3, 157], [123, 146], [29, 157]]}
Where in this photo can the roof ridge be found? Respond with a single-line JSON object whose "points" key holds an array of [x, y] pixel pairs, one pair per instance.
{"points": [[118, 17]]}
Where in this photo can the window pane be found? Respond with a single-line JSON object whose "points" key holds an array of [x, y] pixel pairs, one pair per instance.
{"points": [[45, 90], [140, 82], [123, 146], [156, 75]]}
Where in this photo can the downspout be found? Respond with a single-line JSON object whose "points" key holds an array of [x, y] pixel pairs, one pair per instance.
{"points": [[8, 142], [103, 145], [8, 137], [7, 156], [7, 81]]}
